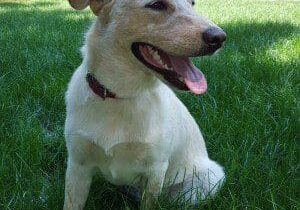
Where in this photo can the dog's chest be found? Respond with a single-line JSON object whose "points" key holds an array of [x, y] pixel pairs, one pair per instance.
{"points": [[124, 163], [129, 137], [128, 145]]}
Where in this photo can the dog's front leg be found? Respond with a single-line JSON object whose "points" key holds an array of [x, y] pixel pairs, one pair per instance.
{"points": [[152, 184], [78, 181]]}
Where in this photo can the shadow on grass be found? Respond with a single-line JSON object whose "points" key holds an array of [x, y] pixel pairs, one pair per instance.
{"points": [[18, 5], [57, 30]]}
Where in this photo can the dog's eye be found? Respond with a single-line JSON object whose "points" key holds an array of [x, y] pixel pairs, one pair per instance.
{"points": [[158, 5], [193, 3]]}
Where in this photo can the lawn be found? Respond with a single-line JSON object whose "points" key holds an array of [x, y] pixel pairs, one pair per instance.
{"points": [[249, 117]]}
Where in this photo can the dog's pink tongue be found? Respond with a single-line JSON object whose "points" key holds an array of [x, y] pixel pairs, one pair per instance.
{"points": [[193, 77]]}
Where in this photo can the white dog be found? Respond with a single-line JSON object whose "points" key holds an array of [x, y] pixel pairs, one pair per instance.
{"points": [[122, 117]]}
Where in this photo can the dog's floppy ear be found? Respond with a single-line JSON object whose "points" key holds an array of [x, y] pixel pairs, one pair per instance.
{"points": [[96, 5], [79, 4]]}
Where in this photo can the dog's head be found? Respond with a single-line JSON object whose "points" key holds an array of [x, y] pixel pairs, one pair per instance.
{"points": [[160, 35]]}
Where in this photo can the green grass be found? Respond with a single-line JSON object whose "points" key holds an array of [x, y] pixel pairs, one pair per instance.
{"points": [[250, 116]]}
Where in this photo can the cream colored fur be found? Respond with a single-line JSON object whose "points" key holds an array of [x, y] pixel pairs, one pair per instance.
{"points": [[148, 138]]}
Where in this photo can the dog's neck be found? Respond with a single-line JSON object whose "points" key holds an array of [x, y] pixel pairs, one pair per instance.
{"points": [[114, 69]]}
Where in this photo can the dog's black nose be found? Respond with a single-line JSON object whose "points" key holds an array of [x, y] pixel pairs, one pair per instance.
{"points": [[214, 37]]}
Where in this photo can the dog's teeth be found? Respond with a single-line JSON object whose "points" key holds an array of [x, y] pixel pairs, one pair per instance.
{"points": [[150, 49], [157, 57], [167, 67]]}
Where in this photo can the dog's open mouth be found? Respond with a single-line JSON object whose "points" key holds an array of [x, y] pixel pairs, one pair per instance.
{"points": [[178, 71]]}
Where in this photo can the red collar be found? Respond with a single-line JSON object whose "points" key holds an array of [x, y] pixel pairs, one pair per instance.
{"points": [[98, 88]]}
